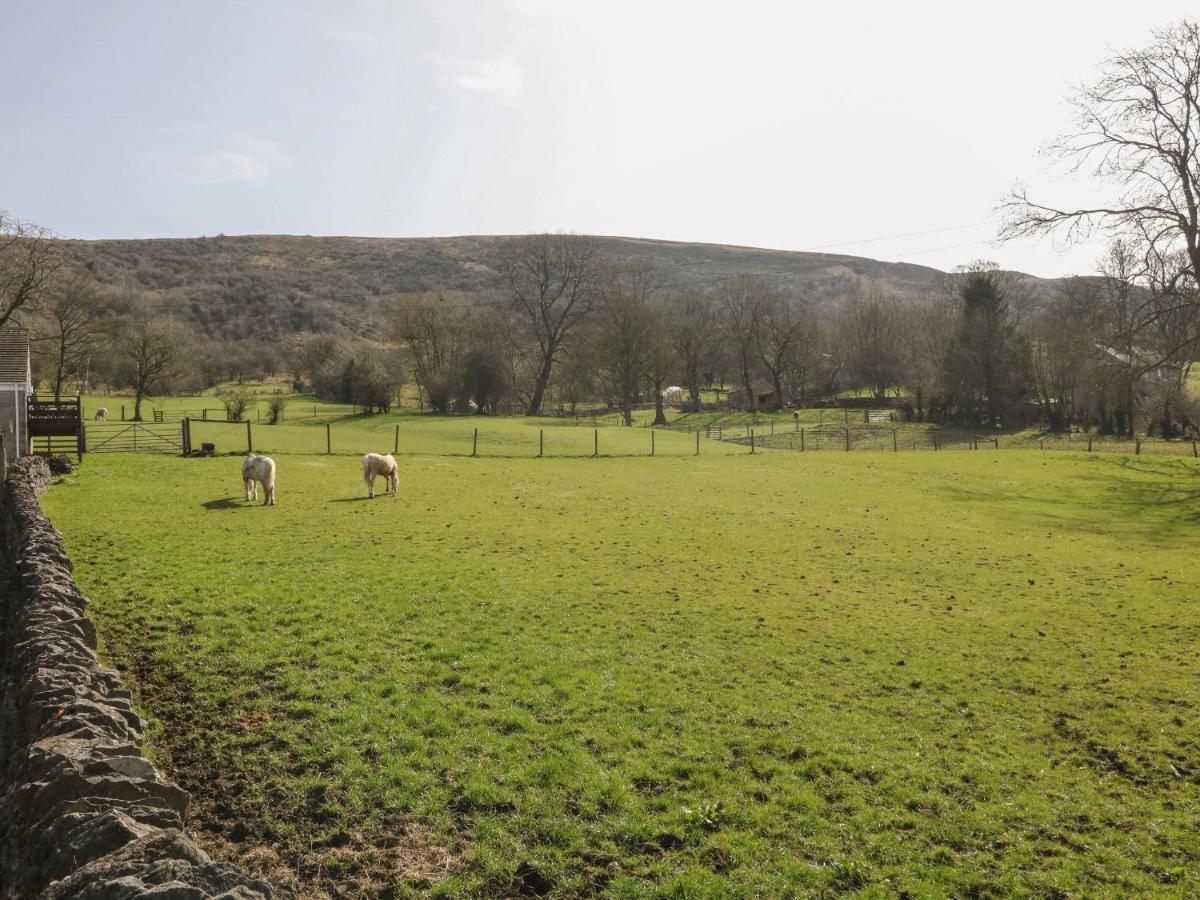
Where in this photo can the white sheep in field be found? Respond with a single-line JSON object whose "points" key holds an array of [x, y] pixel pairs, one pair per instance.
{"points": [[673, 396], [380, 464], [101, 414], [259, 470]]}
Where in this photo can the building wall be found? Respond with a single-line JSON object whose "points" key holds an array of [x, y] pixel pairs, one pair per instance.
{"points": [[8, 420]]}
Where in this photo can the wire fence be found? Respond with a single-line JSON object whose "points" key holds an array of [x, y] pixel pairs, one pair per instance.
{"points": [[898, 439], [497, 436], [442, 436]]}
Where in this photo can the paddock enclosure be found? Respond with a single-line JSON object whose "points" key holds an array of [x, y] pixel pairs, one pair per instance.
{"points": [[774, 674]]}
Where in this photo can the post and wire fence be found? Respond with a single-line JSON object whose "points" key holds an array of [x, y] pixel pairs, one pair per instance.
{"points": [[503, 437]]}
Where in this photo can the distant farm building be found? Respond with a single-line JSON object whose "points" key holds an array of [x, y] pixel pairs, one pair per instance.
{"points": [[16, 387], [764, 396]]}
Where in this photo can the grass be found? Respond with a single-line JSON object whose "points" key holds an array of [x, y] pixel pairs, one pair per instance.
{"points": [[772, 675]]}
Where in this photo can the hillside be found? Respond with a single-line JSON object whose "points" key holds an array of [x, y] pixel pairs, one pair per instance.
{"points": [[231, 286]]}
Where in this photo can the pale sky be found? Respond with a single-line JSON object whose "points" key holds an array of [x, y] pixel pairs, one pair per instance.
{"points": [[788, 125]]}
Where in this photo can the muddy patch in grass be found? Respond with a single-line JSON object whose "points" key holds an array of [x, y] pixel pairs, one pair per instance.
{"points": [[239, 811]]}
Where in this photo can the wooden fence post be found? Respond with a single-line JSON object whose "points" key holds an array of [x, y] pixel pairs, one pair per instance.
{"points": [[1195, 454], [183, 436], [595, 442], [801, 440], [396, 442], [1089, 443], [935, 446], [541, 441], [475, 442], [847, 440], [122, 412], [697, 441], [751, 440], [996, 441], [651, 442], [249, 438], [328, 440], [1137, 446], [895, 448]]}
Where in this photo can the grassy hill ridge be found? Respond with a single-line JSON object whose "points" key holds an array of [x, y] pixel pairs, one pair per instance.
{"points": [[227, 284]]}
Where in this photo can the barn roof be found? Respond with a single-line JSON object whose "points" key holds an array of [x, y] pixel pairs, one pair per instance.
{"points": [[14, 355], [761, 386]]}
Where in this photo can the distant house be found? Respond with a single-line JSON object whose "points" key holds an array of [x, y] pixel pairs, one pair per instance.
{"points": [[16, 387], [764, 396]]}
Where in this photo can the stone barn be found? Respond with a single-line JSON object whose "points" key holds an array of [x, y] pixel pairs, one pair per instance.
{"points": [[764, 396], [16, 387]]}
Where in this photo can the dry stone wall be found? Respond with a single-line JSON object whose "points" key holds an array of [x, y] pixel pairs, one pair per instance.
{"points": [[82, 813]]}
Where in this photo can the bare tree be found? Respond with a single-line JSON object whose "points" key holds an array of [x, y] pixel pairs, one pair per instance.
{"points": [[432, 329], [1139, 130], [553, 281], [740, 300], [623, 341], [28, 261], [783, 323], [151, 350], [69, 331], [926, 329], [1064, 338], [695, 327], [575, 381], [869, 329]]}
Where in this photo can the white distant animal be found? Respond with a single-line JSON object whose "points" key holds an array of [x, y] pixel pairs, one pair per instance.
{"points": [[259, 470], [673, 396], [380, 464], [102, 414]]}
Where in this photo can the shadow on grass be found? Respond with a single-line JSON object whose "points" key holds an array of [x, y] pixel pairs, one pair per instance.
{"points": [[1149, 498], [224, 503], [355, 499]]}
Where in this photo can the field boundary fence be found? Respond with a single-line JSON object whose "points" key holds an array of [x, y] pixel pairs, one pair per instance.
{"points": [[222, 436], [884, 439]]}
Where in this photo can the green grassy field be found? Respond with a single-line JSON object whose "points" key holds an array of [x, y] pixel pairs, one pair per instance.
{"points": [[783, 674]]}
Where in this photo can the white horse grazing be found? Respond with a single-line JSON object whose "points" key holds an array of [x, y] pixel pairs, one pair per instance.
{"points": [[102, 414], [256, 470], [380, 464]]}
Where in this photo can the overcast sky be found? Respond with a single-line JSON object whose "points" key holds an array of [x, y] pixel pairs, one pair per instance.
{"points": [[772, 124]]}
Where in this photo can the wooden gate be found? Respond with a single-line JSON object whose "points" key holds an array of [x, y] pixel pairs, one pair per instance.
{"points": [[133, 437]]}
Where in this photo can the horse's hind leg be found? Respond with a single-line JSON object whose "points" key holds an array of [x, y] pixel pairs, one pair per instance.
{"points": [[251, 489]]}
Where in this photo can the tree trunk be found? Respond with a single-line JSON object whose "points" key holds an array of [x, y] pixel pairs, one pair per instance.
{"points": [[777, 381], [660, 416], [751, 403], [539, 386], [137, 405]]}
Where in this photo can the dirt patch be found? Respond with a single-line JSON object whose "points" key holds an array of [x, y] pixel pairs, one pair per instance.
{"points": [[231, 813]]}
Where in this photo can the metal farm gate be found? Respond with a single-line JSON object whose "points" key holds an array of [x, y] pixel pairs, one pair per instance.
{"points": [[133, 437]]}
